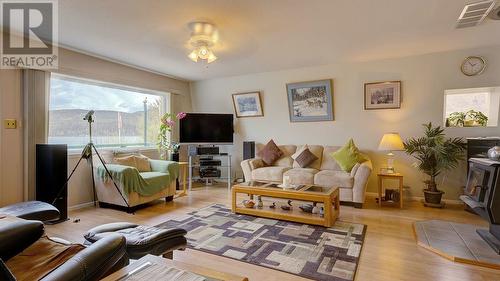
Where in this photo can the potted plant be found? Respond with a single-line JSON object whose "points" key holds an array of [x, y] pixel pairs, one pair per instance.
{"points": [[455, 119], [435, 153], [476, 118], [165, 145]]}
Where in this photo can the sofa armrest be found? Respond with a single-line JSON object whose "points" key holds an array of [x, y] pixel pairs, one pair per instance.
{"points": [[250, 164], [15, 236], [118, 172], [92, 263], [164, 166], [360, 181]]}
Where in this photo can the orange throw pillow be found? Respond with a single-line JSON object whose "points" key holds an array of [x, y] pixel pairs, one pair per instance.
{"points": [[125, 161], [142, 163]]}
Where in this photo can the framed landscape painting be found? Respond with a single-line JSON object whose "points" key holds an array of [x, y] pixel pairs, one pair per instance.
{"points": [[383, 95], [310, 101], [247, 104]]}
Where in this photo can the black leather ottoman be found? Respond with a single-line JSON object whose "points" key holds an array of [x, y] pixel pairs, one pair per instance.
{"points": [[142, 240], [32, 210]]}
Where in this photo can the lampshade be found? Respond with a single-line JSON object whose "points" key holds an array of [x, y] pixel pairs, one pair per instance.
{"points": [[391, 142]]}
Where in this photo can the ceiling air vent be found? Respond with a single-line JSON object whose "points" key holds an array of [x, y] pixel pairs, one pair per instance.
{"points": [[473, 14], [495, 14]]}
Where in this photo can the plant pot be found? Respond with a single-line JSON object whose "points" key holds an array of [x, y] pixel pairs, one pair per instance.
{"points": [[433, 197], [174, 156], [470, 123]]}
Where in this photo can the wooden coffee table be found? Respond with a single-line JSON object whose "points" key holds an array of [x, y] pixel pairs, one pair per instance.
{"points": [[327, 197]]}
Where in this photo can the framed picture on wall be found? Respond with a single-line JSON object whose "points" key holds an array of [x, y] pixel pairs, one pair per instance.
{"points": [[247, 104], [383, 95], [310, 101]]}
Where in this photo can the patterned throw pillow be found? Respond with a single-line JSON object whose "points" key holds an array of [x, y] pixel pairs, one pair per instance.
{"points": [[125, 161], [305, 158], [142, 163], [348, 156], [270, 153]]}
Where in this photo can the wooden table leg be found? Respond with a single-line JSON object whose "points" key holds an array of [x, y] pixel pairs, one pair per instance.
{"points": [[401, 193], [336, 206], [233, 202], [184, 179], [328, 212], [380, 191]]}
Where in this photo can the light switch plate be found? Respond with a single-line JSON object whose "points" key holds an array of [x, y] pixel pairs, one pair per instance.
{"points": [[10, 123]]}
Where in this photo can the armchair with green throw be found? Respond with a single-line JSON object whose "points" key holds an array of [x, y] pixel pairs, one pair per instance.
{"points": [[159, 181]]}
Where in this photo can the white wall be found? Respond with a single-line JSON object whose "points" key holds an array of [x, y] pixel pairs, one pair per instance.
{"points": [[11, 146], [424, 79]]}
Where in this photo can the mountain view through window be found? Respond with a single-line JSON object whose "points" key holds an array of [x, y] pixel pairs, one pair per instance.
{"points": [[122, 117]]}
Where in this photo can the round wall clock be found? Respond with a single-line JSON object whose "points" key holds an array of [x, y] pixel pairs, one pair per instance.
{"points": [[473, 65]]}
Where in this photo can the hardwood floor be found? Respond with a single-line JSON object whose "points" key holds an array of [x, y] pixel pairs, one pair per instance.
{"points": [[389, 252]]}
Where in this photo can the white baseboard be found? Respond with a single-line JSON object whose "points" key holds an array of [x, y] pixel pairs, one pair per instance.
{"points": [[80, 206], [419, 198]]}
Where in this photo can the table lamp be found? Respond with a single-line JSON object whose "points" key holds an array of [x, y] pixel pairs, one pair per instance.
{"points": [[391, 142]]}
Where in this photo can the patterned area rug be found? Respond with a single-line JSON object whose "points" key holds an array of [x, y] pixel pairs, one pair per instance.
{"points": [[313, 252]]}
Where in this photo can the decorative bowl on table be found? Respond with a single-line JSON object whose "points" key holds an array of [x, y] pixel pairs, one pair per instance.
{"points": [[248, 203]]}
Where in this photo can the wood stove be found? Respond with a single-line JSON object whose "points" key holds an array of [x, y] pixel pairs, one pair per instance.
{"points": [[482, 194]]}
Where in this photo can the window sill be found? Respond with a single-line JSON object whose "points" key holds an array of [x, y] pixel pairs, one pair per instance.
{"points": [[74, 152]]}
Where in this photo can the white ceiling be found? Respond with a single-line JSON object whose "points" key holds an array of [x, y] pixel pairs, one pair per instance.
{"points": [[266, 35]]}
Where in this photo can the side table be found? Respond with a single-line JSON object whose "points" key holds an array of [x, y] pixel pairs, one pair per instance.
{"points": [[392, 176], [183, 166]]}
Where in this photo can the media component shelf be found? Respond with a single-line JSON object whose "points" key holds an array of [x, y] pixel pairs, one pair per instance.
{"points": [[210, 167]]}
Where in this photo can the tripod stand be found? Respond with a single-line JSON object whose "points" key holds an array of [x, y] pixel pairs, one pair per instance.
{"points": [[88, 155]]}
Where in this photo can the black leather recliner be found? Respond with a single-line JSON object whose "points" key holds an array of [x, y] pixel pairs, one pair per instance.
{"points": [[92, 263]]}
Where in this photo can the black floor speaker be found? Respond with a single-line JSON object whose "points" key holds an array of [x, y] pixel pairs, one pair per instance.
{"points": [[51, 174], [248, 150]]}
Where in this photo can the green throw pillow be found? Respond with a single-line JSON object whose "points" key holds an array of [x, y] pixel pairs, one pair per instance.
{"points": [[348, 156]]}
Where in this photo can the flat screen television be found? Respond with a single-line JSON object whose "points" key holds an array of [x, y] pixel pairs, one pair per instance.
{"points": [[206, 128]]}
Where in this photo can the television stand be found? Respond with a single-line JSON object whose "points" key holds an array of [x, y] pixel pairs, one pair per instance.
{"points": [[209, 167]]}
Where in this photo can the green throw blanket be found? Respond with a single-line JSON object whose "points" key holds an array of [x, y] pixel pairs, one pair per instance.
{"points": [[145, 183]]}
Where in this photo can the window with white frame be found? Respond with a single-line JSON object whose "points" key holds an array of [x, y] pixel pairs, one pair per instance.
{"points": [[475, 107], [123, 116]]}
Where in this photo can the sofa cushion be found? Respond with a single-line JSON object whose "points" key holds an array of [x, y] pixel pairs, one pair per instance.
{"points": [[305, 158], [348, 156], [272, 173], [125, 161], [317, 150], [142, 163], [301, 175], [286, 159], [327, 162], [334, 178], [157, 179], [270, 153], [256, 163]]}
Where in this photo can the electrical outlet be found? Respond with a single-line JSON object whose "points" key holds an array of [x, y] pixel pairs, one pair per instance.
{"points": [[10, 123]]}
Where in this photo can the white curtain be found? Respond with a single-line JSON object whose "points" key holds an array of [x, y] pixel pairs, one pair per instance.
{"points": [[36, 90]]}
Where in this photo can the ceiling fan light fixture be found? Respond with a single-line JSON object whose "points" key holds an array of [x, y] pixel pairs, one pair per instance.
{"points": [[211, 57], [193, 56], [203, 52], [203, 37]]}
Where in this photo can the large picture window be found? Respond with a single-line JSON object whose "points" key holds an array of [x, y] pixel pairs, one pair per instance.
{"points": [[123, 116]]}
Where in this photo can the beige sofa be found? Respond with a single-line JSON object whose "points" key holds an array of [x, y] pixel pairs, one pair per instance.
{"points": [[324, 171]]}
